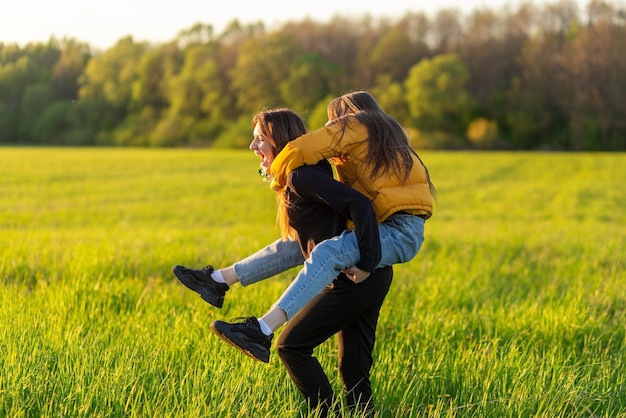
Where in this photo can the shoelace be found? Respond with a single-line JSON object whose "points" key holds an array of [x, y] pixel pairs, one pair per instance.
{"points": [[245, 320]]}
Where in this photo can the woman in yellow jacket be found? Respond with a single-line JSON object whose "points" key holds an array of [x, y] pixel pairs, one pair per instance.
{"points": [[371, 153], [380, 164]]}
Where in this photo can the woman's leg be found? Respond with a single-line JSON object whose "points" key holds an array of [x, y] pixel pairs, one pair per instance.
{"points": [[276, 258], [339, 307], [401, 237], [212, 285], [356, 344]]}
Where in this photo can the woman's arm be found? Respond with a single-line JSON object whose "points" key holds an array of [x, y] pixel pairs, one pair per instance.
{"points": [[315, 146], [352, 205]]}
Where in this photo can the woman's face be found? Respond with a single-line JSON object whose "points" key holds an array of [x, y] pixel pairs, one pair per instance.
{"points": [[262, 147]]}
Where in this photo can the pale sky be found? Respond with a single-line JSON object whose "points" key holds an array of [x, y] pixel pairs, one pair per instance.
{"points": [[102, 23]]}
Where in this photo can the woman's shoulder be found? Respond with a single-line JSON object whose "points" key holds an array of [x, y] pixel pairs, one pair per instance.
{"points": [[320, 168], [310, 173]]}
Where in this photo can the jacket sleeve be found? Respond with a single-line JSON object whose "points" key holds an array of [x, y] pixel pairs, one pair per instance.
{"points": [[350, 204], [314, 147]]}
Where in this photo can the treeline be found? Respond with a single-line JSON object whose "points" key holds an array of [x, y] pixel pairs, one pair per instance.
{"points": [[533, 77]]}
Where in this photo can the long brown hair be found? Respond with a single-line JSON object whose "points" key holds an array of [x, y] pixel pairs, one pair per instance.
{"points": [[389, 148], [280, 126]]}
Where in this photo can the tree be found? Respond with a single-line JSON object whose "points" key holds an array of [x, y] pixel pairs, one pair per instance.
{"points": [[534, 116], [68, 69], [20, 69], [8, 124], [319, 116], [154, 71], [196, 99], [490, 50], [390, 95], [447, 31], [594, 78], [395, 53], [37, 98], [343, 42], [436, 95], [262, 65], [111, 75], [310, 78], [51, 126], [199, 33]]}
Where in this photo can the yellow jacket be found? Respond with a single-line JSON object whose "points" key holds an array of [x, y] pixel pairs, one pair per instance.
{"points": [[387, 193]]}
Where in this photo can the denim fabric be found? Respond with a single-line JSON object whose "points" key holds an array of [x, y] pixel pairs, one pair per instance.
{"points": [[277, 257], [401, 237]]}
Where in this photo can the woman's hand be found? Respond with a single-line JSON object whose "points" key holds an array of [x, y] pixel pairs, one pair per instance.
{"points": [[355, 274]]}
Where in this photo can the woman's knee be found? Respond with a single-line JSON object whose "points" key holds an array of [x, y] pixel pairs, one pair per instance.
{"points": [[284, 348], [337, 252], [280, 344]]}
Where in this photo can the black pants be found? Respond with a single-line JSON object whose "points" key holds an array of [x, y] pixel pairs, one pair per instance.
{"points": [[351, 311]]}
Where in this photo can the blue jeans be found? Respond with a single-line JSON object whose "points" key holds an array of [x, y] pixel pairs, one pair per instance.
{"points": [[401, 237]]}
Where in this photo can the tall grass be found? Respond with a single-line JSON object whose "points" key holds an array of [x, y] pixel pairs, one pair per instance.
{"points": [[515, 307]]}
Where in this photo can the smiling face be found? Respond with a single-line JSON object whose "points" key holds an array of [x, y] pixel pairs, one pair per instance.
{"points": [[273, 129], [262, 147]]}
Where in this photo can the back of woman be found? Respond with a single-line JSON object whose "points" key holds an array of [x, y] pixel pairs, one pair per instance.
{"points": [[371, 152]]}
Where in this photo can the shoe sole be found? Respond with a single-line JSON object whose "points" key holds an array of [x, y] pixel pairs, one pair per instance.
{"points": [[190, 282], [227, 339]]}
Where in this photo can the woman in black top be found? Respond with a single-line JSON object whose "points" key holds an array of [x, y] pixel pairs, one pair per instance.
{"points": [[314, 207]]}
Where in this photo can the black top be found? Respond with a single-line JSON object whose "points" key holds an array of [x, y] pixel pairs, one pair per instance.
{"points": [[320, 206]]}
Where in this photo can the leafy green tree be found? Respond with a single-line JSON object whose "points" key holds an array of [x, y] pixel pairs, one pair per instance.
{"points": [[196, 90], [20, 69], [197, 107], [112, 74], [12, 68], [481, 52], [149, 99], [37, 98], [43, 57], [310, 78], [436, 95], [90, 122], [528, 118], [8, 123], [136, 129], [12, 84], [170, 131], [544, 76], [391, 97], [263, 63], [343, 42], [155, 70], [198, 34], [51, 126], [490, 50], [68, 69], [319, 116], [395, 53], [535, 117]]}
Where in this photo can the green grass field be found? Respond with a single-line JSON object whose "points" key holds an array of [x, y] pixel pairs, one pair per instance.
{"points": [[515, 307]]}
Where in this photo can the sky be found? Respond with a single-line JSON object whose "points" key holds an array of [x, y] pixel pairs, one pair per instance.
{"points": [[101, 24]]}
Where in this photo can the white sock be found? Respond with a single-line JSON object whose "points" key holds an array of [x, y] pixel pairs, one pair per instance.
{"points": [[265, 328], [217, 276]]}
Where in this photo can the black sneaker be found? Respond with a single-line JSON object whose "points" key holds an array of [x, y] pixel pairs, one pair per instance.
{"points": [[246, 336], [200, 281]]}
